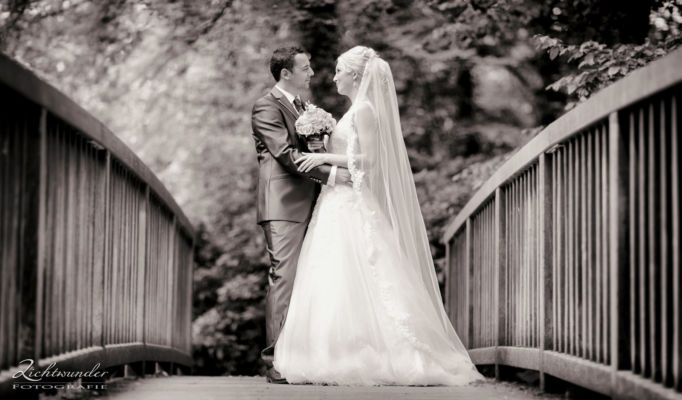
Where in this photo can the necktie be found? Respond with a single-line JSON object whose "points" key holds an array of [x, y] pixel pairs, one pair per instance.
{"points": [[298, 104]]}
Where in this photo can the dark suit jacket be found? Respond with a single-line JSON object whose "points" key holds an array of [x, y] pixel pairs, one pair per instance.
{"points": [[284, 193]]}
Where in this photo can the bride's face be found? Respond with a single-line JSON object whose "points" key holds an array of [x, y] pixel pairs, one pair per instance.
{"points": [[343, 80]]}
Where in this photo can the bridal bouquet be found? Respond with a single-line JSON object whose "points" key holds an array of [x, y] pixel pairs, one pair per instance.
{"points": [[314, 123]]}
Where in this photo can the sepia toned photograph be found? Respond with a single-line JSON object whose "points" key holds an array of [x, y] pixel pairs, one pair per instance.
{"points": [[320, 199]]}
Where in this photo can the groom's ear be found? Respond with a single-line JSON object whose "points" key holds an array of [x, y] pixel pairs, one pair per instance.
{"points": [[285, 74]]}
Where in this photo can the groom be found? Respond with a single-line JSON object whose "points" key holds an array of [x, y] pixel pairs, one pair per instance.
{"points": [[285, 196]]}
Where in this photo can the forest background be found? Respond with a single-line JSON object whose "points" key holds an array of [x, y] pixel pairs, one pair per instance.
{"points": [[176, 80]]}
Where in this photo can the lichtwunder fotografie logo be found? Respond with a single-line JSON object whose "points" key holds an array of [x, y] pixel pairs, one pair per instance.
{"points": [[30, 376]]}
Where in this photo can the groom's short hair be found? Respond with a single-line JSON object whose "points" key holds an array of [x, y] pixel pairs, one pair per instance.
{"points": [[283, 58]]}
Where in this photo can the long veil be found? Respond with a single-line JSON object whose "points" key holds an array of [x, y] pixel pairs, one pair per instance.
{"points": [[382, 167]]}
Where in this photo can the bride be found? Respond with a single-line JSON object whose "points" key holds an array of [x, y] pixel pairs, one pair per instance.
{"points": [[365, 307]]}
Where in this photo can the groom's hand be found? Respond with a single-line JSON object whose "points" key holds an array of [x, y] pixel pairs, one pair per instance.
{"points": [[343, 177]]}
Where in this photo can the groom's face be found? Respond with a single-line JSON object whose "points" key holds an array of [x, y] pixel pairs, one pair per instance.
{"points": [[302, 72]]}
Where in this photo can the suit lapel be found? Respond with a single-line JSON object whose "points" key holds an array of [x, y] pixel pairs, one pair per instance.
{"points": [[284, 102], [290, 114]]}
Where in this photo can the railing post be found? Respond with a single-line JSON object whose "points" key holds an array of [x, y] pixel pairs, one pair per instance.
{"points": [[190, 290], [170, 280], [617, 240], [101, 253], [42, 239], [545, 278], [500, 276], [29, 251], [446, 272], [142, 267], [469, 286]]}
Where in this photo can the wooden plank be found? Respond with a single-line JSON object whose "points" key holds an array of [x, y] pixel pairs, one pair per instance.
{"points": [[61, 252], [483, 355], [469, 286], [513, 268], [79, 243], [583, 248], [5, 136], [521, 269], [482, 294], [42, 237], [632, 386], [100, 246], [675, 218], [47, 342], [570, 324], [665, 227], [507, 260], [530, 246], [520, 357], [566, 249], [545, 261], [14, 252], [27, 236], [171, 277], [475, 279], [70, 273], [554, 247], [589, 223], [579, 371], [634, 342], [487, 279], [142, 266], [606, 282], [188, 302], [639, 84], [653, 261], [598, 267], [642, 247], [122, 323], [618, 262]]}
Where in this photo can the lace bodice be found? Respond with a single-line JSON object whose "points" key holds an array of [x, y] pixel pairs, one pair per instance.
{"points": [[338, 141]]}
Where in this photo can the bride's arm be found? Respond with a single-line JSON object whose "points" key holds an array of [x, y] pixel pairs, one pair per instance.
{"points": [[365, 125], [309, 161]]}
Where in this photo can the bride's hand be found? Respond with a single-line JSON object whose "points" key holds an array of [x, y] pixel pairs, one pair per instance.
{"points": [[309, 161]]}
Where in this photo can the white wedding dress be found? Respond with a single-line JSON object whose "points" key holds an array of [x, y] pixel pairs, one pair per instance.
{"points": [[355, 316]]}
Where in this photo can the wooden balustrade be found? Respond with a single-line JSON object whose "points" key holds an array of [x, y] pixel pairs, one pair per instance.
{"points": [[96, 256], [567, 260]]}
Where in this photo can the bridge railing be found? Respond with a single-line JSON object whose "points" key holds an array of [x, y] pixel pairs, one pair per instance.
{"points": [[96, 255], [567, 260]]}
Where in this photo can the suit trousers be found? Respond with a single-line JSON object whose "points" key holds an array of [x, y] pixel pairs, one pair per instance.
{"points": [[283, 240]]}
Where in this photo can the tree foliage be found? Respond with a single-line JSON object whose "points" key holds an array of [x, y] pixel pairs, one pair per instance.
{"points": [[599, 65]]}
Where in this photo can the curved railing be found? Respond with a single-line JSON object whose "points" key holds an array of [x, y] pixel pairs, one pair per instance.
{"points": [[567, 260], [96, 255]]}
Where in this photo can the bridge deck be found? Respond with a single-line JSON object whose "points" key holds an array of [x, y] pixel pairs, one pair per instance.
{"points": [[210, 388]]}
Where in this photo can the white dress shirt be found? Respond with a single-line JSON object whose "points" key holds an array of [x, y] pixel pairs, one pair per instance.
{"points": [[332, 174]]}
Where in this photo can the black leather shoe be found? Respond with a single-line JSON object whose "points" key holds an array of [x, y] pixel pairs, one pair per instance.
{"points": [[273, 376]]}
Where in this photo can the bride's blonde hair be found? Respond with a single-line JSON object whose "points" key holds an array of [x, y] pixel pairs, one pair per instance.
{"points": [[355, 60]]}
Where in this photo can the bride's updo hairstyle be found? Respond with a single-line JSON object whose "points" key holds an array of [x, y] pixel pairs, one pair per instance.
{"points": [[355, 60]]}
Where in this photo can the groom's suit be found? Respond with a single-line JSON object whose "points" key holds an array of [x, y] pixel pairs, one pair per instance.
{"points": [[285, 202]]}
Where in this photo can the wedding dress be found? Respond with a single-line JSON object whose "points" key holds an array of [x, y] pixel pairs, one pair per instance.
{"points": [[361, 312]]}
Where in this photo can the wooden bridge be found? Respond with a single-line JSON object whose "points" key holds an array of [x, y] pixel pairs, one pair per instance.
{"points": [[566, 262]]}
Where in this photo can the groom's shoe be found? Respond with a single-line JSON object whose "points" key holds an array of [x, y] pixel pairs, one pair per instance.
{"points": [[273, 376]]}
